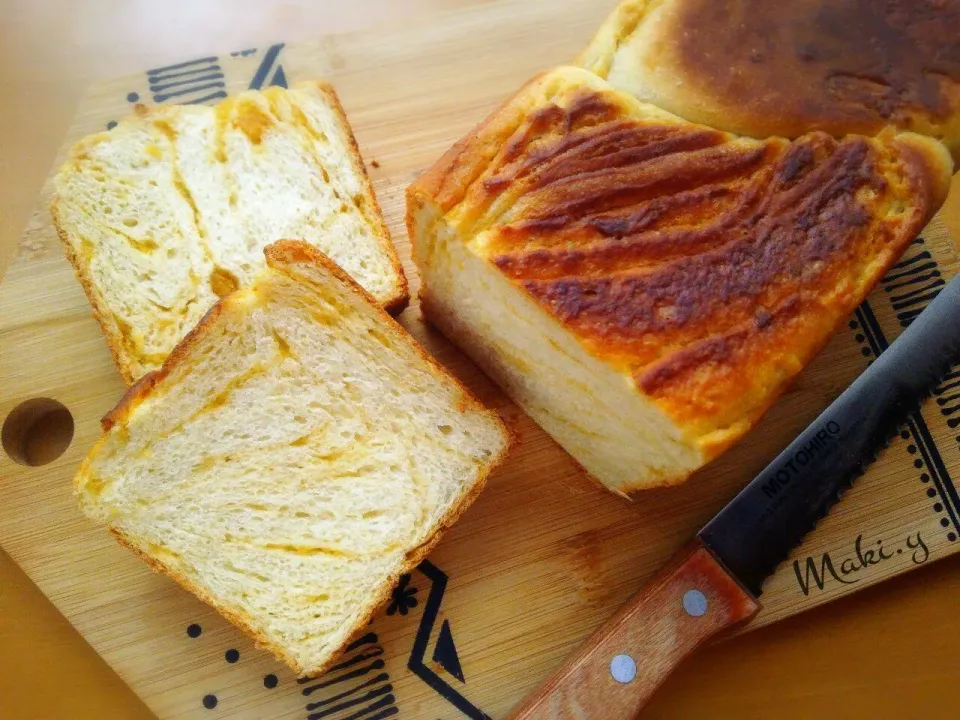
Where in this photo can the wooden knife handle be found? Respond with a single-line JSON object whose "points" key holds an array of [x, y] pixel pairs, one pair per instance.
{"points": [[618, 669]]}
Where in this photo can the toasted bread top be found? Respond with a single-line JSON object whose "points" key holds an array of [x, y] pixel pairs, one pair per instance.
{"points": [[760, 68], [707, 268]]}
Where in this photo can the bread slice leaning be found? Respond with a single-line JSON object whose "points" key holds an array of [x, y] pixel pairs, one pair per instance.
{"points": [[173, 207], [297, 452]]}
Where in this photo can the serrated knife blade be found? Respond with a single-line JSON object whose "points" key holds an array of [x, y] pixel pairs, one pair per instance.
{"points": [[714, 583], [757, 530]]}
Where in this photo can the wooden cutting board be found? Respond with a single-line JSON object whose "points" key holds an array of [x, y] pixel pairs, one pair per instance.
{"points": [[543, 556]]}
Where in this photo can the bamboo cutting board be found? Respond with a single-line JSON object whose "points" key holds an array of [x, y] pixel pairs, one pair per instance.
{"points": [[543, 556]]}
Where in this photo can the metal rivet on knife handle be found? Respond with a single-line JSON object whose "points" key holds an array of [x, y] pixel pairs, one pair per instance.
{"points": [[623, 668], [694, 603], [618, 669]]}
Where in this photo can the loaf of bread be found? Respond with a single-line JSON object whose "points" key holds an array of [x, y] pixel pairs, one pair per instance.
{"points": [[297, 452], [760, 68], [645, 287], [172, 209]]}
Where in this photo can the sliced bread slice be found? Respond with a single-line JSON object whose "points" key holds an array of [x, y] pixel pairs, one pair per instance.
{"points": [[295, 455], [172, 209]]}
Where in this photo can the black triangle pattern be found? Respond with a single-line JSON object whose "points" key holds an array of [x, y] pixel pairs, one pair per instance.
{"points": [[445, 652]]}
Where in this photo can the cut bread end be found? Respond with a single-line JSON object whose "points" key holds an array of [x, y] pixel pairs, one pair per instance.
{"points": [[619, 438]]}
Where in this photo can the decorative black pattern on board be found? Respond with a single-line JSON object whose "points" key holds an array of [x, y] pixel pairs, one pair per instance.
{"points": [[358, 686], [913, 282], [203, 81], [909, 287], [267, 66], [192, 82], [211, 701], [948, 398], [403, 598], [445, 654]]}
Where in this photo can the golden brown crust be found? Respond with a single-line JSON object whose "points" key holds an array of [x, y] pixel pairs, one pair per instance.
{"points": [[401, 296], [763, 69], [283, 256], [928, 166], [706, 267], [447, 181]]}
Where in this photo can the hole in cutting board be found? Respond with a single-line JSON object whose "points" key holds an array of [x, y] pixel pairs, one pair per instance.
{"points": [[37, 431]]}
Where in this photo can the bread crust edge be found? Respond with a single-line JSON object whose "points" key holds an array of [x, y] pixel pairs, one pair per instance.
{"points": [[400, 298]]}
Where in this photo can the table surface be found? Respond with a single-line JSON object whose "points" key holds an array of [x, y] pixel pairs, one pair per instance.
{"points": [[892, 652]]}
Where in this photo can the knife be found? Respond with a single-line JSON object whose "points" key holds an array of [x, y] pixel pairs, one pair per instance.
{"points": [[713, 584]]}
